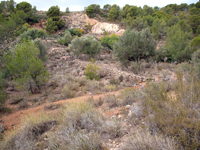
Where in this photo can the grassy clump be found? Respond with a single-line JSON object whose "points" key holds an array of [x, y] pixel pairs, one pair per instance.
{"points": [[175, 114]]}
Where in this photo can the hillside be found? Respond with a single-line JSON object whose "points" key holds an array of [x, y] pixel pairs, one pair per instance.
{"points": [[101, 79]]}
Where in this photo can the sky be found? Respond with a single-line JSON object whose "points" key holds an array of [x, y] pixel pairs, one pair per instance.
{"points": [[77, 5]]}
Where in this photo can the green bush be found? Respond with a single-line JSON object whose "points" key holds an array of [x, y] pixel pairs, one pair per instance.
{"points": [[195, 44], [92, 70], [107, 41], [182, 16], [60, 23], [85, 45], [134, 45], [177, 44], [42, 48], [26, 66], [159, 28], [31, 34], [194, 21], [51, 26], [53, 11], [26, 7], [3, 94], [66, 40], [90, 11]]}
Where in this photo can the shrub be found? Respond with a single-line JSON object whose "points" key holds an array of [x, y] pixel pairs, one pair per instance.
{"points": [[51, 26], [111, 100], [177, 44], [60, 23], [25, 65], [53, 11], [134, 45], [3, 95], [107, 41], [195, 44], [182, 16], [26, 7], [85, 45], [194, 21], [196, 56], [175, 116], [92, 70], [90, 11], [146, 141], [66, 40], [159, 28], [42, 48], [31, 34]]}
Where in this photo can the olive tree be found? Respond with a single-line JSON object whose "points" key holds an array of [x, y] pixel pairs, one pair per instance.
{"points": [[134, 45]]}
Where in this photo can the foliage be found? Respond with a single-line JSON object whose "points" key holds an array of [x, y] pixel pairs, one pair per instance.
{"points": [[42, 48], [25, 65], [76, 32], [177, 44], [175, 116], [60, 23], [92, 70], [10, 5], [134, 45], [85, 45], [172, 21], [194, 21], [182, 16], [185, 27], [112, 14], [138, 24], [161, 15], [51, 26], [66, 40], [25, 6], [149, 19], [159, 28], [195, 44], [53, 11], [31, 34], [3, 95], [196, 57], [90, 11], [107, 41]]}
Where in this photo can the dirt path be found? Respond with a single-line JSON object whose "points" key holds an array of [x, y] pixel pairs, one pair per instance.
{"points": [[14, 119]]}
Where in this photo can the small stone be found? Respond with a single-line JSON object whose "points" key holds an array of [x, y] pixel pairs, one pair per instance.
{"points": [[128, 106]]}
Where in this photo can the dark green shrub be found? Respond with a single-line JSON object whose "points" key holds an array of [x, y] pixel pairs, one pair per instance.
{"points": [[195, 44], [31, 34], [134, 45], [51, 26], [174, 20], [159, 28], [25, 6], [3, 95], [60, 24], [107, 41], [90, 11], [177, 44], [53, 11], [194, 21], [182, 16], [85, 45], [66, 40], [42, 48], [112, 14]]}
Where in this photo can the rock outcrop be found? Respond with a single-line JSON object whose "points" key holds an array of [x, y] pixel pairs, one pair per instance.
{"points": [[80, 20]]}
